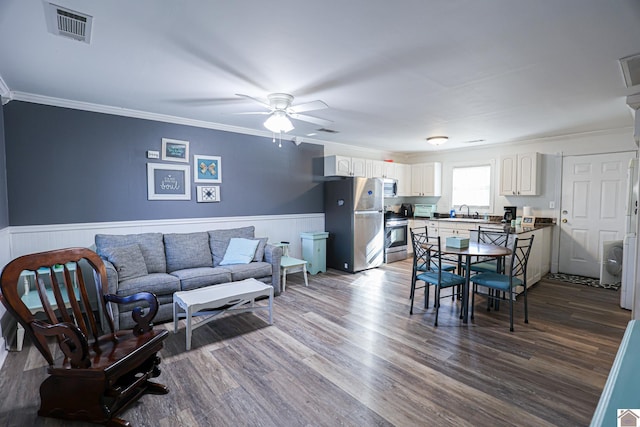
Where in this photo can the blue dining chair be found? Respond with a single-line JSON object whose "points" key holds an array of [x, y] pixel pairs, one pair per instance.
{"points": [[419, 236], [490, 236], [507, 283], [428, 253]]}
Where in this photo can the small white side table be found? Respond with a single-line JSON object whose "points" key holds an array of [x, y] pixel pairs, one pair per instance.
{"points": [[287, 263]]}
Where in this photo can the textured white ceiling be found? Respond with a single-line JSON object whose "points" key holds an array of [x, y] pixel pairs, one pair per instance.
{"points": [[393, 73]]}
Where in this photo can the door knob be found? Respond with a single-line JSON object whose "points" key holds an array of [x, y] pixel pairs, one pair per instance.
{"points": [[564, 220]]}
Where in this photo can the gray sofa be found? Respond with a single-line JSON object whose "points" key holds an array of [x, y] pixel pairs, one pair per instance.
{"points": [[166, 263]]}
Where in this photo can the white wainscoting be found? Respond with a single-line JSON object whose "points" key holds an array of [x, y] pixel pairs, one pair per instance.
{"points": [[5, 257], [37, 238], [17, 241]]}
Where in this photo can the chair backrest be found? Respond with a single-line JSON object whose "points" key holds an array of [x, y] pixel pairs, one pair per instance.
{"points": [[520, 257], [62, 279], [426, 251], [493, 236], [418, 240]]}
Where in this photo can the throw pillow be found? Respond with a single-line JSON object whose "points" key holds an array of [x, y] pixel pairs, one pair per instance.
{"points": [[260, 250], [127, 260], [187, 250], [150, 244], [219, 240], [240, 251]]}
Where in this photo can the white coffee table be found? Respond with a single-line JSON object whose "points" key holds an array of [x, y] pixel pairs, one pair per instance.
{"points": [[217, 299]]}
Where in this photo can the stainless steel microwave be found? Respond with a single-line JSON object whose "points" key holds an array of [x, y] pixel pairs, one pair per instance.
{"points": [[390, 187]]}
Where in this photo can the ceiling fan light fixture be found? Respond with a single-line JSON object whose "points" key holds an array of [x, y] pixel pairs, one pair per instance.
{"points": [[437, 140], [278, 122]]}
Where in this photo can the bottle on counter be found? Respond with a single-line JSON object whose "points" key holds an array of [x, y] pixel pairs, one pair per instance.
{"points": [[452, 213]]}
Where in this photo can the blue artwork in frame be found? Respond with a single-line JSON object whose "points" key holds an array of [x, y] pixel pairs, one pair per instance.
{"points": [[207, 169]]}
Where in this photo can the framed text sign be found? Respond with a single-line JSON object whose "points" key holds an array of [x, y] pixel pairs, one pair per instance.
{"points": [[207, 169], [168, 182], [175, 150]]}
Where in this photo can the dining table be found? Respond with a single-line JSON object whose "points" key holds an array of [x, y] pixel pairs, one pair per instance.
{"points": [[474, 249]]}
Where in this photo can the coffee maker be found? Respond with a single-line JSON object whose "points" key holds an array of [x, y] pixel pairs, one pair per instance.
{"points": [[509, 213]]}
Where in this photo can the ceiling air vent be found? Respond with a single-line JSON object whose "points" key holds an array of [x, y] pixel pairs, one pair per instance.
{"points": [[631, 70], [68, 23], [327, 130]]}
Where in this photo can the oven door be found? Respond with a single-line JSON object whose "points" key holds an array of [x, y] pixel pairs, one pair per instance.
{"points": [[395, 234]]}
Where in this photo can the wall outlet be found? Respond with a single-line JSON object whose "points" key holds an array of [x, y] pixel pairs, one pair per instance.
{"points": [[153, 154], [552, 205]]}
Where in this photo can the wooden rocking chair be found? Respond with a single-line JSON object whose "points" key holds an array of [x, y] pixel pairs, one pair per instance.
{"points": [[100, 371]]}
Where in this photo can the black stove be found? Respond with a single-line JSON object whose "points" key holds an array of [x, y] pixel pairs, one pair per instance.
{"points": [[393, 215]]}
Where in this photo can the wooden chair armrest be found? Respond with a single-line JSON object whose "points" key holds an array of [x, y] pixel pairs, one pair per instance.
{"points": [[72, 341], [143, 322]]}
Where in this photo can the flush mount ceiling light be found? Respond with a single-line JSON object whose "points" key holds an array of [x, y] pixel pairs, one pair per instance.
{"points": [[437, 140], [278, 122]]}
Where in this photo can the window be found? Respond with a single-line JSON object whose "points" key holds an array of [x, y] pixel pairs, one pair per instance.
{"points": [[472, 186]]}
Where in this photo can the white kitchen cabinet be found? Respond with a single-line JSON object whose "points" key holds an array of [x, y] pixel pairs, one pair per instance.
{"points": [[374, 168], [389, 170], [344, 166], [519, 174], [403, 175], [539, 262], [454, 229], [426, 179]]}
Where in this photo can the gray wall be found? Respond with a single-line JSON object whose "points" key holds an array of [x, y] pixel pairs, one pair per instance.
{"points": [[4, 209], [71, 166]]}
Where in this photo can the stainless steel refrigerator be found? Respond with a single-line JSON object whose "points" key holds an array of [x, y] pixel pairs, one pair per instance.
{"points": [[354, 219]]}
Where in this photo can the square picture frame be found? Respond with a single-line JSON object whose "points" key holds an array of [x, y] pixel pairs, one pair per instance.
{"points": [[175, 150], [207, 169], [168, 182], [208, 193], [528, 221]]}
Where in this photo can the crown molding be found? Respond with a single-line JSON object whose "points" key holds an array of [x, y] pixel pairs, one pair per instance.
{"points": [[5, 92], [126, 112]]}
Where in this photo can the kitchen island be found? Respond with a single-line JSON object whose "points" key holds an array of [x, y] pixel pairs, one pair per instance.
{"points": [[539, 259]]}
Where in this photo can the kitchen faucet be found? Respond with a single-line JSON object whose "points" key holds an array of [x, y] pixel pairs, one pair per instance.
{"points": [[466, 206]]}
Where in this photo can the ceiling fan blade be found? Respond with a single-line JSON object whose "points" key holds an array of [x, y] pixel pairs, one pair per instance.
{"points": [[308, 106], [253, 112], [258, 100], [315, 120]]}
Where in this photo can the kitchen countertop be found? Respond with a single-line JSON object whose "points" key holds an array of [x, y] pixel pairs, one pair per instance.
{"points": [[490, 223]]}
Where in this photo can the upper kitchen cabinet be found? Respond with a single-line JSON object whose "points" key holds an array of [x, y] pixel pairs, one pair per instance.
{"points": [[519, 174], [426, 179], [374, 168], [403, 175], [344, 166], [381, 169]]}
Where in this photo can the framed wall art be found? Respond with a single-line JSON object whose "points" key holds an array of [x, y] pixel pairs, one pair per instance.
{"points": [[207, 169], [175, 150], [168, 182], [208, 193]]}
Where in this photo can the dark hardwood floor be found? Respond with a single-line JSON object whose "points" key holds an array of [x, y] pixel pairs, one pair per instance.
{"points": [[345, 351]]}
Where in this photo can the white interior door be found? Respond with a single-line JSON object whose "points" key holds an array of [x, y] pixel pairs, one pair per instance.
{"points": [[593, 209]]}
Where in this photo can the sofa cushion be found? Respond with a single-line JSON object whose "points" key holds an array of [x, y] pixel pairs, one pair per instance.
{"points": [[245, 271], [240, 251], [219, 240], [156, 283], [259, 256], [193, 278], [151, 245], [187, 250], [127, 260]]}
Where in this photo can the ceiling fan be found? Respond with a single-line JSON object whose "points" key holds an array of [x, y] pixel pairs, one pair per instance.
{"points": [[281, 111]]}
